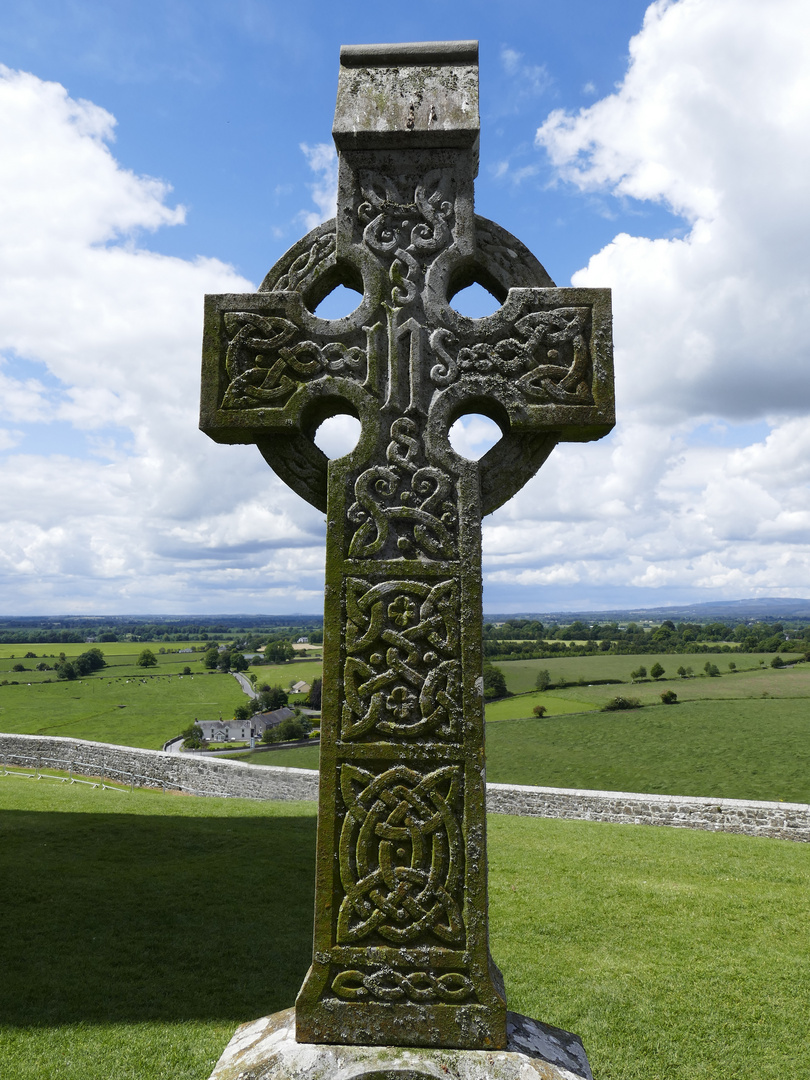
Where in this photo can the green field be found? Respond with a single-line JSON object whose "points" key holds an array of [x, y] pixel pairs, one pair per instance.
{"points": [[142, 710], [674, 954], [752, 746], [120, 657], [521, 674], [516, 708], [740, 749], [286, 674], [743, 735], [111, 649]]}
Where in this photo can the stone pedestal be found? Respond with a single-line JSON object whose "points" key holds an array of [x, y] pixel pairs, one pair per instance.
{"points": [[266, 1050]]}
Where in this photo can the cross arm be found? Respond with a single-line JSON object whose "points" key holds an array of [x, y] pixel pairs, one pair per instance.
{"points": [[271, 367], [541, 364]]}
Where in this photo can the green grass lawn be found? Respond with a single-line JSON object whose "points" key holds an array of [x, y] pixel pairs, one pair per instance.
{"points": [[742, 749], [146, 927], [140, 710]]}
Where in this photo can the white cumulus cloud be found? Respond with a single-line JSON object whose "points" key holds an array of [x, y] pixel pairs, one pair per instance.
{"points": [[711, 122], [112, 497]]}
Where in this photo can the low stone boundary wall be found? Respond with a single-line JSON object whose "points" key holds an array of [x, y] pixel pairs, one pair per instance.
{"points": [[236, 779], [787, 821], [156, 768]]}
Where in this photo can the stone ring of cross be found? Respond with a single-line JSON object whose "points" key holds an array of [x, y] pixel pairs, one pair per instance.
{"points": [[510, 366]]}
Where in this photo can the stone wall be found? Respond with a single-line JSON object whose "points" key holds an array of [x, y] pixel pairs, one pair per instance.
{"points": [[235, 779], [155, 768], [788, 821]]}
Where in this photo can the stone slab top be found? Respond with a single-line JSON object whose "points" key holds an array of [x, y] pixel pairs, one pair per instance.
{"points": [[266, 1050], [409, 53], [412, 95]]}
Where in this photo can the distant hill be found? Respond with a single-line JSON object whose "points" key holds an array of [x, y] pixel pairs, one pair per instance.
{"points": [[764, 609]]}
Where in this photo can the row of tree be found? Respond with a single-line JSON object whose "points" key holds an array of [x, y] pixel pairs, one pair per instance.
{"points": [[632, 638]]}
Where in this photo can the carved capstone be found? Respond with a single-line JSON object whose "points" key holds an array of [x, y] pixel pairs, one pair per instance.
{"points": [[401, 944]]}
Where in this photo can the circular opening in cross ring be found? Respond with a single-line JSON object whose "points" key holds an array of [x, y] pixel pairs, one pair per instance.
{"points": [[473, 434], [338, 435]]}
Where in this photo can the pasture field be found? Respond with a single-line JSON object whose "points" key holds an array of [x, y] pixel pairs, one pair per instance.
{"points": [[119, 655], [109, 648], [519, 707], [752, 746], [737, 749], [521, 674], [142, 710], [284, 675], [301, 757], [674, 954]]}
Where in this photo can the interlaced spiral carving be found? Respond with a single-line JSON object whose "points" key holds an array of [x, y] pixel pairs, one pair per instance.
{"points": [[306, 267], [266, 366], [561, 374], [401, 856], [402, 675], [414, 502], [407, 222], [388, 984]]}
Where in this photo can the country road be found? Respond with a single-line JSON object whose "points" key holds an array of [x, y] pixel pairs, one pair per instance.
{"points": [[245, 683]]}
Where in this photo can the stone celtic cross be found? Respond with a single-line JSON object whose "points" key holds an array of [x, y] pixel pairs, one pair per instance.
{"points": [[401, 953]]}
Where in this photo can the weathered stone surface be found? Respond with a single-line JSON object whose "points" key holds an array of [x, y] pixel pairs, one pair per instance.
{"points": [[267, 1050], [401, 953]]}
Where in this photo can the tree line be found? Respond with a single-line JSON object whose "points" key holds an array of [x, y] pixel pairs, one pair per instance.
{"points": [[528, 638]]}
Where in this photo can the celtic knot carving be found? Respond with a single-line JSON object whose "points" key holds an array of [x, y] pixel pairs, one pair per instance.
{"points": [[408, 222], [416, 501], [562, 374], [402, 675], [388, 984], [401, 856], [266, 366], [305, 268]]}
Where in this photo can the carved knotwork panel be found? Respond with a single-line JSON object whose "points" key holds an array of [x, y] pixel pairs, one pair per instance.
{"points": [[406, 222], [269, 357], [407, 507], [402, 667], [388, 983], [401, 857], [545, 354]]}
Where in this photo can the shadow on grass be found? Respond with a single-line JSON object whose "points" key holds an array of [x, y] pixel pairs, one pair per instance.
{"points": [[134, 918]]}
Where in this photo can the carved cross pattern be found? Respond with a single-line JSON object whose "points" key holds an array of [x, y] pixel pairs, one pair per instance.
{"points": [[401, 952]]}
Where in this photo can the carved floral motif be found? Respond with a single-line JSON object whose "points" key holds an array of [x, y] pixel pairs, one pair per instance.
{"points": [[402, 672], [401, 856]]}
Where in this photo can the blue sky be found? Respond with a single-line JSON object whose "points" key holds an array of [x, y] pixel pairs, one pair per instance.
{"points": [[158, 151], [217, 100]]}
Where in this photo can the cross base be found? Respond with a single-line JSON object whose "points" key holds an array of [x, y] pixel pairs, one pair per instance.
{"points": [[266, 1050]]}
